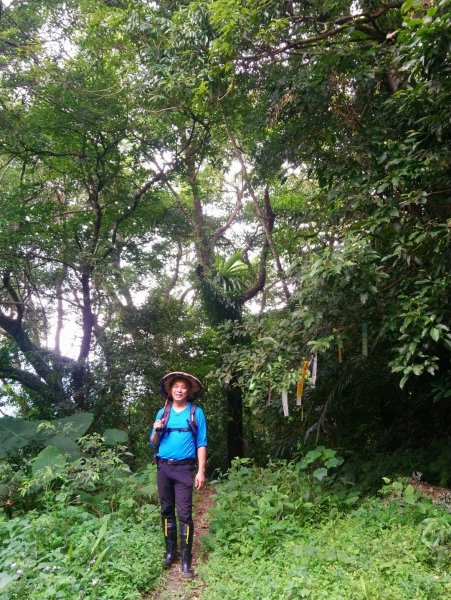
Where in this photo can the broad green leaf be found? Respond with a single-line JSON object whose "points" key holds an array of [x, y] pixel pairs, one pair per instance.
{"points": [[333, 462], [410, 495], [99, 559], [48, 464], [115, 436], [434, 333], [74, 426], [320, 473], [100, 535], [15, 434], [66, 445]]}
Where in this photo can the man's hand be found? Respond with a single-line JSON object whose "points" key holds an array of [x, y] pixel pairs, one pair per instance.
{"points": [[199, 480], [158, 425]]}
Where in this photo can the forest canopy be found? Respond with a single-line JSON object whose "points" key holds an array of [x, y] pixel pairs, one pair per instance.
{"points": [[233, 189]]}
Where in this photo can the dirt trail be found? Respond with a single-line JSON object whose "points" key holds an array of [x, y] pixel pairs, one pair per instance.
{"points": [[438, 495], [176, 588]]}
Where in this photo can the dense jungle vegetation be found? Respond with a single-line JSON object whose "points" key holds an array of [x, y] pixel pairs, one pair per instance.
{"points": [[256, 192]]}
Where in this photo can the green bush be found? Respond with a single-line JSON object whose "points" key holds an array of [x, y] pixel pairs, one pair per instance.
{"points": [[72, 551], [99, 478], [72, 554], [78, 527], [282, 533], [367, 468]]}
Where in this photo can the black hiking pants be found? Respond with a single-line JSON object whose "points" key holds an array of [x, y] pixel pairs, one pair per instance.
{"points": [[175, 489]]}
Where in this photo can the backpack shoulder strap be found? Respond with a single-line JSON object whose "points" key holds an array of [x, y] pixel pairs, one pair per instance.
{"points": [[166, 413], [192, 418], [165, 418]]}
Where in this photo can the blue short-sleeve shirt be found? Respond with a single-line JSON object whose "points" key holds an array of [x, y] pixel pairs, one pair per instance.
{"points": [[181, 445]]}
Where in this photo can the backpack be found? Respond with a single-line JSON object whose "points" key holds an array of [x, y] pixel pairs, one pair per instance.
{"points": [[191, 422]]}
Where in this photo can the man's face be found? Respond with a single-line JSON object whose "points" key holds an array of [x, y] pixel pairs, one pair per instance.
{"points": [[180, 391]]}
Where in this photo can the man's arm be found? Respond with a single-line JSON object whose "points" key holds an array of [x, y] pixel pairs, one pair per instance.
{"points": [[154, 439], [199, 480], [155, 435]]}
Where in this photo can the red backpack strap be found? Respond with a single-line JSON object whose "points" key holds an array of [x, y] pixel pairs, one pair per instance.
{"points": [[165, 418], [166, 413]]}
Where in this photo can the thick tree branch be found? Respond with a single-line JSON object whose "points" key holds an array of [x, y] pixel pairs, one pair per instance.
{"points": [[59, 311], [203, 244], [236, 209], [358, 22], [261, 216], [88, 316], [179, 200], [175, 276], [13, 328], [137, 197], [27, 379], [123, 288], [17, 300], [261, 275]]}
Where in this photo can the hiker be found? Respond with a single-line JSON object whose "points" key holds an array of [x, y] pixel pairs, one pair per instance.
{"points": [[179, 435]]}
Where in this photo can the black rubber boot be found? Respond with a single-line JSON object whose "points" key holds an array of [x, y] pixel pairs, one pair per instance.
{"points": [[170, 538], [186, 546]]}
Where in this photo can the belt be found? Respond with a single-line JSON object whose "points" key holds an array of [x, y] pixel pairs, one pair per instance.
{"points": [[172, 461]]}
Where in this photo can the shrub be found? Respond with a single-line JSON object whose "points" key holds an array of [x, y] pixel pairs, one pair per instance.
{"points": [[68, 552], [281, 533]]}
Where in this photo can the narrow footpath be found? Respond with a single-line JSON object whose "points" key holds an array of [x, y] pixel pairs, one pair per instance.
{"points": [[175, 587]]}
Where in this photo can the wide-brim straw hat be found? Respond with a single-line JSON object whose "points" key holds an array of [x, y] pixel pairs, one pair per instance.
{"points": [[197, 389]]}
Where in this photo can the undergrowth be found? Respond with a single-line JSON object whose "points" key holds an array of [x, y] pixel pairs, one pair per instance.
{"points": [[93, 531], [69, 553], [294, 531]]}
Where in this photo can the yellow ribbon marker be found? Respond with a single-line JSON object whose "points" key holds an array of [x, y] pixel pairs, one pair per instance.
{"points": [[340, 351], [339, 345], [300, 387]]}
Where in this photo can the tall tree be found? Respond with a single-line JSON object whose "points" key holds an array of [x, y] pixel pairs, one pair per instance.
{"points": [[78, 190], [208, 195], [353, 98]]}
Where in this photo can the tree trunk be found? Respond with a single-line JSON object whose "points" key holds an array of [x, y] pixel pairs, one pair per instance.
{"points": [[235, 446], [80, 373]]}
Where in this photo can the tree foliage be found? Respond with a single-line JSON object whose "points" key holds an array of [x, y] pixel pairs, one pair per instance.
{"points": [[219, 160]]}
